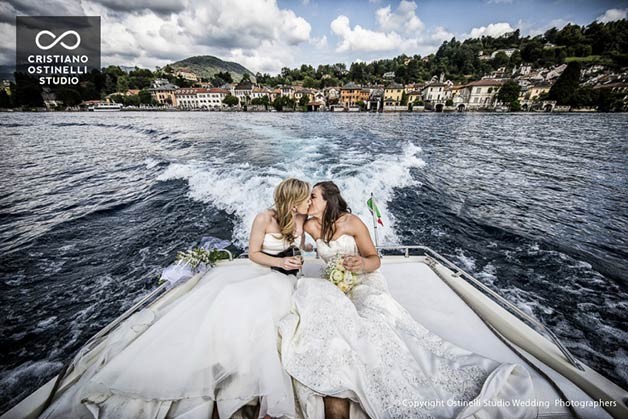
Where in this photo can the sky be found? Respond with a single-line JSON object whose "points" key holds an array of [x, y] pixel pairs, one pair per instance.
{"points": [[266, 35]]}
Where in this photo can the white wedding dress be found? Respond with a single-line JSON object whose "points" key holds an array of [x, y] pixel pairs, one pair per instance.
{"points": [[366, 347], [219, 342]]}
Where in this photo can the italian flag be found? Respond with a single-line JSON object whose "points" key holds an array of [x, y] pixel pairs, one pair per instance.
{"points": [[374, 210]]}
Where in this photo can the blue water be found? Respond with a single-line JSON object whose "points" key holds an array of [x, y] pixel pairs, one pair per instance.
{"points": [[93, 206]]}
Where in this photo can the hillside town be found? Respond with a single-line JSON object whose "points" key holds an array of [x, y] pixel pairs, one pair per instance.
{"points": [[437, 95], [529, 91]]}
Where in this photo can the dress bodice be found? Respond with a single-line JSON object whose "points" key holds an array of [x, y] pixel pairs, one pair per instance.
{"points": [[343, 245], [273, 245]]}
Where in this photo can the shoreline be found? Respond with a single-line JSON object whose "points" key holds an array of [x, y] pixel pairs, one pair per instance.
{"points": [[317, 112]]}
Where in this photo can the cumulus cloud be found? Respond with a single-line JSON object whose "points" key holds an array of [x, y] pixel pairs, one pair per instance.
{"points": [[403, 19], [320, 43], [493, 29], [612, 15], [397, 30], [361, 39], [440, 34]]}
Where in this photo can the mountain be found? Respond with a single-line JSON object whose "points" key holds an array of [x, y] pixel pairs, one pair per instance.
{"points": [[207, 65]]}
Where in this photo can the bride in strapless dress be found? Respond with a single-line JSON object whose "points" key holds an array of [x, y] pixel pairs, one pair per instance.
{"points": [[216, 349], [362, 354]]}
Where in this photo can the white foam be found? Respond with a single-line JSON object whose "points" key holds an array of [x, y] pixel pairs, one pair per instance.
{"points": [[243, 190], [150, 163], [46, 322], [11, 378], [468, 262]]}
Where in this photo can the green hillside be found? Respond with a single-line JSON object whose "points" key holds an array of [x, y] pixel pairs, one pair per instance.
{"points": [[207, 66]]}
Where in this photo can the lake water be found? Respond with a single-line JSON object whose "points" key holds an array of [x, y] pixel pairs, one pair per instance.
{"points": [[94, 206]]}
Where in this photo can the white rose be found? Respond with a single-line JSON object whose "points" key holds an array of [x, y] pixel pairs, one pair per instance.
{"points": [[336, 276]]}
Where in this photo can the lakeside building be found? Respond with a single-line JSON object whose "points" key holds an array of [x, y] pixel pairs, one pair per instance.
{"points": [[301, 92], [415, 96], [351, 95], [393, 95], [287, 91], [164, 93], [482, 94], [244, 92]]}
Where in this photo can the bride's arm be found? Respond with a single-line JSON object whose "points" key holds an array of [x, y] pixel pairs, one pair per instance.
{"points": [[256, 241], [368, 261]]}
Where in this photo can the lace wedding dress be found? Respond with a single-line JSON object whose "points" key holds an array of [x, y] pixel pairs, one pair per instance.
{"points": [[366, 347], [218, 342]]}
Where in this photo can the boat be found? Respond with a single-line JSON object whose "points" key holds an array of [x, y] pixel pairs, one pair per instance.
{"points": [[446, 300], [105, 107]]}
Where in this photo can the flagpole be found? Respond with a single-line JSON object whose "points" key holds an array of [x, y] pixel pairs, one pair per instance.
{"points": [[374, 221]]}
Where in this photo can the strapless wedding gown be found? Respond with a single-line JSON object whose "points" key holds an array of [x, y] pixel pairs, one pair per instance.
{"points": [[219, 342], [366, 347]]}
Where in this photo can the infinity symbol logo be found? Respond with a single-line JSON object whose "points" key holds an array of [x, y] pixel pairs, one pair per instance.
{"points": [[58, 40]]}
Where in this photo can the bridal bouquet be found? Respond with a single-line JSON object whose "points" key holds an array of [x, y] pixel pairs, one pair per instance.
{"points": [[336, 273], [193, 261]]}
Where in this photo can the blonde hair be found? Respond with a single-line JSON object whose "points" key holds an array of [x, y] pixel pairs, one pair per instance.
{"points": [[288, 194]]}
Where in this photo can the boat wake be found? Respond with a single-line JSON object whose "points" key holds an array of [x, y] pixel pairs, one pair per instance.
{"points": [[243, 189]]}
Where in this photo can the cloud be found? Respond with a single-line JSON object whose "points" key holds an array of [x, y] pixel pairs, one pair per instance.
{"points": [[243, 24], [532, 29], [7, 51], [157, 6], [259, 35], [612, 15], [404, 19], [399, 30], [441, 34], [499, 1], [361, 39], [320, 43], [494, 29], [41, 8]]}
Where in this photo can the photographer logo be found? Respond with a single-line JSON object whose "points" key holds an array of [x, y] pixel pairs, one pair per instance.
{"points": [[58, 40], [57, 50]]}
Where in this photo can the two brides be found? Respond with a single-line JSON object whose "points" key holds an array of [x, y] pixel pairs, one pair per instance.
{"points": [[301, 348]]}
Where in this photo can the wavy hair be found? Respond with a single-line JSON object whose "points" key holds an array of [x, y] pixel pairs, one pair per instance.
{"points": [[288, 194], [336, 207]]}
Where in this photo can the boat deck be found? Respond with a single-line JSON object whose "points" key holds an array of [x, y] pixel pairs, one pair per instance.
{"points": [[430, 299]]}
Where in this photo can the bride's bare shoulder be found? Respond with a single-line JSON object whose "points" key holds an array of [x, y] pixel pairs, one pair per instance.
{"points": [[265, 217], [353, 223]]}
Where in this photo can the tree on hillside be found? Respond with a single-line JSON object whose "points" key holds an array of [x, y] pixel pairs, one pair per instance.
{"points": [[563, 91], [225, 76]]}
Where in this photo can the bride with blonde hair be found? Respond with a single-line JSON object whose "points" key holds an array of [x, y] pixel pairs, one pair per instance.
{"points": [[215, 350]]}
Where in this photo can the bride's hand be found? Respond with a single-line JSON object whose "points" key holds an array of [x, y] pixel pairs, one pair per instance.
{"points": [[290, 263], [353, 263]]}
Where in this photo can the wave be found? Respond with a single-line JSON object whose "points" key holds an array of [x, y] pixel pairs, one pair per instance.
{"points": [[244, 190]]}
